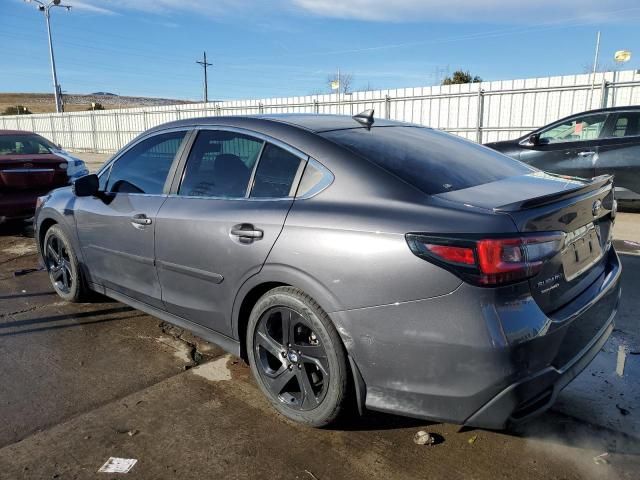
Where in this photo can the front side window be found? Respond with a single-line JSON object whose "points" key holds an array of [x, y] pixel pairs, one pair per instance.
{"points": [[627, 124], [220, 165], [575, 130], [24, 145], [144, 167], [275, 173]]}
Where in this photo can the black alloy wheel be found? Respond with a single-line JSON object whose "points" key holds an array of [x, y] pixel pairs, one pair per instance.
{"points": [[297, 357], [58, 263], [290, 358]]}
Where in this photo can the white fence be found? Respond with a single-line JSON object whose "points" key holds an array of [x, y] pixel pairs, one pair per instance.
{"points": [[483, 112]]}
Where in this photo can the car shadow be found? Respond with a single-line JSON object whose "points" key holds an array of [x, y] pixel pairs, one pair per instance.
{"points": [[22, 228], [548, 429], [371, 420], [25, 295], [72, 317]]}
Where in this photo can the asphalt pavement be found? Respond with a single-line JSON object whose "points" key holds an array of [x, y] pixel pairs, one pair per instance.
{"points": [[82, 383]]}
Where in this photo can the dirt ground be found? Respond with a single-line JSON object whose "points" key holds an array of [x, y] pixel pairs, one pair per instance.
{"points": [[82, 383]]}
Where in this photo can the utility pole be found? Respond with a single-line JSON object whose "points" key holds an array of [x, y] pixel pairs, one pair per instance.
{"points": [[45, 8], [595, 66], [205, 65]]}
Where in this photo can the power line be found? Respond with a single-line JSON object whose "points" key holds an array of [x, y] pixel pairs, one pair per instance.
{"points": [[205, 65]]}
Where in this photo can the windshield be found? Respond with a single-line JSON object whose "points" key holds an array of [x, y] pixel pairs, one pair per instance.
{"points": [[24, 145], [433, 161]]}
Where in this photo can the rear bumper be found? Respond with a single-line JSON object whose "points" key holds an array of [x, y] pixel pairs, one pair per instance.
{"points": [[479, 357]]}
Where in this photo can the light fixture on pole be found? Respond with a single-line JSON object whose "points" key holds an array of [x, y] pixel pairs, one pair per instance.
{"points": [[45, 8], [622, 56]]}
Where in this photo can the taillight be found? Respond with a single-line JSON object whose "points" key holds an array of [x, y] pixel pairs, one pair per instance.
{"points": [[488, 261]]}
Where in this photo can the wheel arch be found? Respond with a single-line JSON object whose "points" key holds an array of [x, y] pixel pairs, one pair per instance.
{"points": [[270, 277], [45, 225]]}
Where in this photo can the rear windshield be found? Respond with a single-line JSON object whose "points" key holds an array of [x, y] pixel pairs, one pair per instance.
{"points": [[431, 160], [24, 145]]}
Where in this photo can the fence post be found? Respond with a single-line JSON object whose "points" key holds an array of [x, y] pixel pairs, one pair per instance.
{"points": [[387, 107], [604, 92], [93, 131], [480, 118], [117, 114], [144, 120], [53, 131], [316, 105], [260, 108]]}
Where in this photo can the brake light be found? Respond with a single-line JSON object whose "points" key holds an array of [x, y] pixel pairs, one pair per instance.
{"points": [[488, 261], [453, 254]]}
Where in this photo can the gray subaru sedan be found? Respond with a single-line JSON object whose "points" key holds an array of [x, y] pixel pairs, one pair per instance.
{"points": [[352, 263]]}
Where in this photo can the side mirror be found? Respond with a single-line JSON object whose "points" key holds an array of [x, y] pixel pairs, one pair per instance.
{"points": [[86, 186], [534, 139], [59, 146]]}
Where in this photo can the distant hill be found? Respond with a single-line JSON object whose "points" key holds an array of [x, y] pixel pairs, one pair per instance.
{"points": [[44, 102]]}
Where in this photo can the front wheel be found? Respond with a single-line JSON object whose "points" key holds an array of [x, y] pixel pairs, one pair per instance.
{"points": [[297, 357], [62, 265]]}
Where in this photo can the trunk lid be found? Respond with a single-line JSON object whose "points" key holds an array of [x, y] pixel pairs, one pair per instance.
{"points": [[540, 202], [32, 172]]}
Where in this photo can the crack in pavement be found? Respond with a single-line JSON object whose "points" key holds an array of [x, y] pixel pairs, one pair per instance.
{"points": [[194, 353], [18, 312]]}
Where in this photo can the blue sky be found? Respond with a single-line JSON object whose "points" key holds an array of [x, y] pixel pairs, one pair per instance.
{"points": [[289, 47]]}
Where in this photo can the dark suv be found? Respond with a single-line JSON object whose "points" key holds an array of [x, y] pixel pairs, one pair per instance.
{"points": [[605, 141]]}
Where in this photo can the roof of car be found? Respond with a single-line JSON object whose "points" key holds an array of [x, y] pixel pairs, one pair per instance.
{"points": [[311, 122], [610, 109], [16, 132]]}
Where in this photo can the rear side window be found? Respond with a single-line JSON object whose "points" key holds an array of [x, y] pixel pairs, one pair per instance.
{"points": [[220, 165], [627, 124], [431, 160], [144, 167], [275, 173]]}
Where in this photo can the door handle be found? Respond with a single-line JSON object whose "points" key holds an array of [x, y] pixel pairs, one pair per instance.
{"points": [[586, 154], [247, 231], [140, 219]]}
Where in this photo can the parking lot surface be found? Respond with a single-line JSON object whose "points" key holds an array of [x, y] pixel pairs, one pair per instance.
{"points": [[82, 383]]}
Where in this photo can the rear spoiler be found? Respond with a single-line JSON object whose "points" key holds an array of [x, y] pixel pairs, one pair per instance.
{"points": [[601, 183]]}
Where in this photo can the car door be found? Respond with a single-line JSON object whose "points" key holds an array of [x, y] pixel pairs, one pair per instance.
{"points": [[619, 154], [116, 228], [218, 226], [569, 147]]}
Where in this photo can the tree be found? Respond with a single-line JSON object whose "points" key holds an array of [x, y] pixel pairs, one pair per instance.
{"points": [[460, 76], [17, 110], [345, 79]]}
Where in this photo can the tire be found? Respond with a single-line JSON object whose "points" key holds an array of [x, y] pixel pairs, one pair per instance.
{"points": [[65, 274], [316, 354]]}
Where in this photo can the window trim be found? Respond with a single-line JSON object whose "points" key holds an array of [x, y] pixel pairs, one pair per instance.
{"points": [[181, 167], [186, 140]]}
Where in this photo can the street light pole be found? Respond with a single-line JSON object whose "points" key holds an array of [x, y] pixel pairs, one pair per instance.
{"points": [[46, 8]]}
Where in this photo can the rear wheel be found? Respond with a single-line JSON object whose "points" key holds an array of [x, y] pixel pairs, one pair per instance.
{"points": [[297, 357], [62, 265]]}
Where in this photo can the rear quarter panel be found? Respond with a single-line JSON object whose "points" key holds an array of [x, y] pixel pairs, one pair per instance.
{"points": [[358, 253]]}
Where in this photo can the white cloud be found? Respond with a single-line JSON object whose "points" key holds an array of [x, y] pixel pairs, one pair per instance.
{"points": [[89, 7], [538, 11], [496, 11]]}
